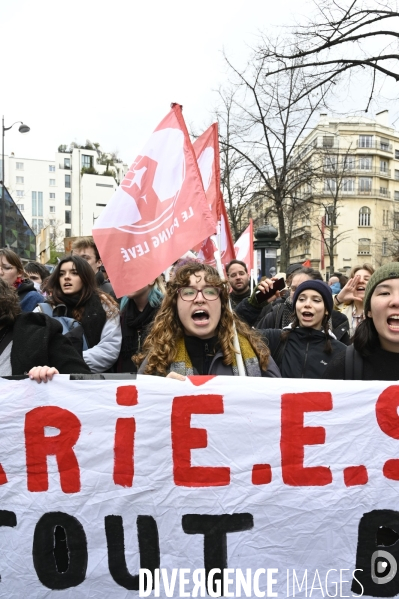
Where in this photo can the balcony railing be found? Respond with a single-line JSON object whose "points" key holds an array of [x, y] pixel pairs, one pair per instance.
{"points": [[64, 166], [345, 172], [374, 145]]}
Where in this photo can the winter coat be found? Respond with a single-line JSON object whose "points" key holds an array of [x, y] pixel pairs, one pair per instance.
{"points": [[28, 296], [38, 341]]}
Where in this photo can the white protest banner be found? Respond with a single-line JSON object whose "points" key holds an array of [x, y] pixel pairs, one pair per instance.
{"points": [[284, 485]]}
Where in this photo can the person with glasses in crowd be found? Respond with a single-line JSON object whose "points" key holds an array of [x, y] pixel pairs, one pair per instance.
{"points": [[194, 328]]}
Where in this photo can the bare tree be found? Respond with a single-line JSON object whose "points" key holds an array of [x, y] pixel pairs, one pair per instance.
{"points": [[340, 39], [267, 118]]}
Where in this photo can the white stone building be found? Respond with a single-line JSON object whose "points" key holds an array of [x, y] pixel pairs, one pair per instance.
{"points": [[58, 193]]}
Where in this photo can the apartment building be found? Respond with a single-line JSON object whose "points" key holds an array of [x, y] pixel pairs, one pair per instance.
{"points": [[352, 201], [67, 193]]}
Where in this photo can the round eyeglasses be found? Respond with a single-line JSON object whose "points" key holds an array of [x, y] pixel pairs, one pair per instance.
{"points": [[189, 294]]}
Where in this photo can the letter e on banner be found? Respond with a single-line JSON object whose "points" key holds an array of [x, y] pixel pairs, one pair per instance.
{"points": [[38, 447], [294, 437], [386, 410], [185, 438]]}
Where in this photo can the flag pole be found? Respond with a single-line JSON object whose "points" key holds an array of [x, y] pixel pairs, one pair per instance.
{"points": [[219, 266]]}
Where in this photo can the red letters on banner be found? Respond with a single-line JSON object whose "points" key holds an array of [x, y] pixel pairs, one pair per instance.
{"points": [[185, 438], [386, 410], [39, 446], [125, 430], [294, 436]]}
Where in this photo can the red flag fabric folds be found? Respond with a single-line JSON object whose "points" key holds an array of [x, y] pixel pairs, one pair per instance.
{"points": [[244, 247], [158, 212]]}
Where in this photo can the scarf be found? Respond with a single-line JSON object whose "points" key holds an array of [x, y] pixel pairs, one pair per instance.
{"points": [[286, 317], [93, 318], [183, 364]]}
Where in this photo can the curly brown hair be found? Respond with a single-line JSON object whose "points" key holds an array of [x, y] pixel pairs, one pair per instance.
{"points": [[160, 346], [9, 304]]}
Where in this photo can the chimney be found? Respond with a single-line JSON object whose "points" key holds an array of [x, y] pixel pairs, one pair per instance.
{"points": [[382, 118]]}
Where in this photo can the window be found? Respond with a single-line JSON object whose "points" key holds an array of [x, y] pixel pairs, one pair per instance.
{"points": [[397, 174], [397, 154], [365, 184], [21, 207], [328, 216], [396, 195], [20, 180], [67, 163], [365, 141], [67, 217], [40, 203], [330, 185], [384, 144], [19, 166], [365, 163], [51, 168], [67, 198], [52, 196], [67, 180], [384, 191], [348, 163], [87, 161], [34, 225], [20, 193], [39, 224], [364, 246], [384, 246], [364, 217], [384, 166], [52, 222], [396, 220], [52, 182], [67, 232], [385, 217], [34, 203], [348, 185], [328, 141], [52, 208], [330, 163]]}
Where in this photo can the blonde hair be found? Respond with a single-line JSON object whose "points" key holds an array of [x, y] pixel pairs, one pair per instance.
{"points": [[160, 346]]}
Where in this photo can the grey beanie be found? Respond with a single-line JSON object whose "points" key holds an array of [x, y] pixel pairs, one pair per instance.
{"points": [[388, 271]]}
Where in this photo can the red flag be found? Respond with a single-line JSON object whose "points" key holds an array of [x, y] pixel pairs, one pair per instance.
{"points": [[157, 213], [244, 247], [206, 149], [208, 247], [307, 263]]}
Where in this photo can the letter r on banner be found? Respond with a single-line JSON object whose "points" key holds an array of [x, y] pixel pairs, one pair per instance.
{"points": [[185, 438], [38, 447]]}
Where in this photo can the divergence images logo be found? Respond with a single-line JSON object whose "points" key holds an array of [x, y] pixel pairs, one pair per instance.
{"points": [[383, 567]]}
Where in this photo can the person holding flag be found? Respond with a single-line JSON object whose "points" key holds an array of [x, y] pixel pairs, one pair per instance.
{"points": [[194, 329]]}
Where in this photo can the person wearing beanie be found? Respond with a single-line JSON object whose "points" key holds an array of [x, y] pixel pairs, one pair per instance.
{"points": [[304, 348], [374, 354]]}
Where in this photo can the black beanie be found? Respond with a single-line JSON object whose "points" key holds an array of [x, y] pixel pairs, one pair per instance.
{"points": [[319, 286]]}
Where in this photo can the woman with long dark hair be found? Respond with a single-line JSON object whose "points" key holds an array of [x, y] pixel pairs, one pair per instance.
{"points": [[374, 355], [74, 293], [12, 272], [194, 329]]}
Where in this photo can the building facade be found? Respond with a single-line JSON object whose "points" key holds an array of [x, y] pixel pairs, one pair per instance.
{"points": [[350, 208], [66, 194]]}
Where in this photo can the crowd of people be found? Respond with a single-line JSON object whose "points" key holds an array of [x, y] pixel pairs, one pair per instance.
{"points": [[69, 321]]}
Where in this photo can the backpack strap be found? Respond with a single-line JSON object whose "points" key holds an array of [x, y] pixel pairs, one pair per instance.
{"points": [[353, 364], [45, 308]]}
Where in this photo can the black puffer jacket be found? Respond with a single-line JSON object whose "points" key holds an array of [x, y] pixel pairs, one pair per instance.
{"points": [[304, 355]]}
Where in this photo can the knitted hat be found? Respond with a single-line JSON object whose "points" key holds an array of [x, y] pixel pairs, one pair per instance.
{"points": [[292, 268], [388, 271], [319, 286]]}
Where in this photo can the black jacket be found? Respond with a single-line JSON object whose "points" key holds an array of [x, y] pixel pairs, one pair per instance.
{"points": [[38, 341], [304, 355], [103, 285]]}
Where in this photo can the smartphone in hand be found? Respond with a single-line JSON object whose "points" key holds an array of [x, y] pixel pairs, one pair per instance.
{"points": [[278, 285]]}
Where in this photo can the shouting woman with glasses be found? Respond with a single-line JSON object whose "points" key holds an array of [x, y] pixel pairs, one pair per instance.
{"points": [[193, 331]]}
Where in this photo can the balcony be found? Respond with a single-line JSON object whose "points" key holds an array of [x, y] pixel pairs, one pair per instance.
{"points": [[346, 173], [63, 166], [300, 231], [374, 145]]}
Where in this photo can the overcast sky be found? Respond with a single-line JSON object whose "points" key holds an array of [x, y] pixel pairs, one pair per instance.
{"points": [[108, 71]]}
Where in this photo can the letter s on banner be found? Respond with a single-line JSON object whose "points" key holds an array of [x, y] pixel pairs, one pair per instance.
{"points": [[185, 438], [294, 436]]}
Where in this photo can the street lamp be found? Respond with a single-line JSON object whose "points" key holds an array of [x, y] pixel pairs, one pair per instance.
{"points": [[22, 129]]}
